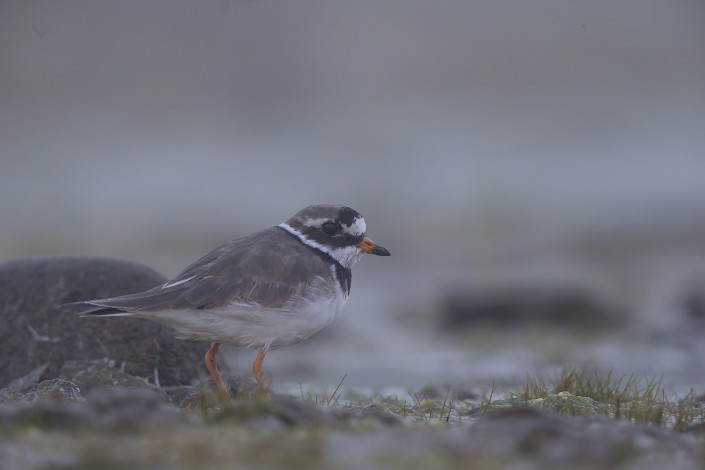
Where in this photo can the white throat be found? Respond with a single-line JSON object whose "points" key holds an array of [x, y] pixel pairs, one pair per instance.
{"points": [[346, 256]]}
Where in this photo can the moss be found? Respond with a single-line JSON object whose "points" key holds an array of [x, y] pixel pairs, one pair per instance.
{"points": [[569, 404], [629, 398]]}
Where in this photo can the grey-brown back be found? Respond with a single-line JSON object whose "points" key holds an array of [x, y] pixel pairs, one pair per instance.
{"points": [[268, 268]]}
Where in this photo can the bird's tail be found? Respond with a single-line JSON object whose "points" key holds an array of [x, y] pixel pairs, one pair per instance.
{"points": [[92, 309]]}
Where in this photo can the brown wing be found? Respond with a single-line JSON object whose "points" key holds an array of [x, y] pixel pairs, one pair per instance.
{"points": [[267, 268]]}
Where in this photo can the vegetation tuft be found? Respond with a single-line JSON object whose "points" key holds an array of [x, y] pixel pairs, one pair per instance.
{"points": [[633, 398]]}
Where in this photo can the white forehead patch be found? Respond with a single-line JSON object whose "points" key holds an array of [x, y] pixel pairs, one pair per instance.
{"points": [[357, 228]]}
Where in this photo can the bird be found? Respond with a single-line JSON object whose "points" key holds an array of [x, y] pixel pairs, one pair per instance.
{"points": [[273, 288]]}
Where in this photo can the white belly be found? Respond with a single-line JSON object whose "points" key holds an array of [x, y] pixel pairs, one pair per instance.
{"points": [[250, 326]]}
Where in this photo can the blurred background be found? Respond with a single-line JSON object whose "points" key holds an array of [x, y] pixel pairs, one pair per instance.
{"points": [[536, 168]]}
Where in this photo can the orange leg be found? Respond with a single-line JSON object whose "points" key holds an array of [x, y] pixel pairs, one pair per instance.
{"points": [[258, 370], [212, 366]]}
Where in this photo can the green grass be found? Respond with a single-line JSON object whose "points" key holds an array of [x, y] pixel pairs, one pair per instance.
{"points": [[633, 398], [324, 399], [413, 408], [430, 410]]}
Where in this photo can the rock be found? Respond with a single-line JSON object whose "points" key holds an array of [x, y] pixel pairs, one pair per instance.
{"points": [[21, 384], [36, 332], [527, 304], [114, 410], [45, 415], [564, 403], [101, 373], [692, 300], [518, 439], [551, 441], [568, 404], [132, 409], [448, 392], [375, 413], [55, 389], [290, 412]]}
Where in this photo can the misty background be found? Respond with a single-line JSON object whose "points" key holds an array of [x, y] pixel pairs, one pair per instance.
{"points": [[485, 142]]}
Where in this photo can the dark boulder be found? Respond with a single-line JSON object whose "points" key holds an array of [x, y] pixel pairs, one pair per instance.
{"points": [[692, 300], [35, 331], [102, 373], [528, 304], [105, 410]]}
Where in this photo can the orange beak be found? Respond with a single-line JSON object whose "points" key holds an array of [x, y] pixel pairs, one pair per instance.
{"points": [[370, 247]]}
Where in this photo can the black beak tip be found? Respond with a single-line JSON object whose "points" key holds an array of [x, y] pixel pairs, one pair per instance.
{"points": [[380, 251]]}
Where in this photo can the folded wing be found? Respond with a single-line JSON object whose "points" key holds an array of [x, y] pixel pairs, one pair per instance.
{"points": [[267, 269]]}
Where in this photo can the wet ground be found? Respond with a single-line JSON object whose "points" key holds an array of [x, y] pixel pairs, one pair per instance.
{"points": [[392, 334], [52, 425]]}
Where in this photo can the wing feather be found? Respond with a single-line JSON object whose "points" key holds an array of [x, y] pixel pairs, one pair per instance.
{"points": [[267, 268]]}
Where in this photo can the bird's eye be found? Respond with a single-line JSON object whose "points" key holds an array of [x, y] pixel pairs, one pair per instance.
{"points": [[330, 228]]}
